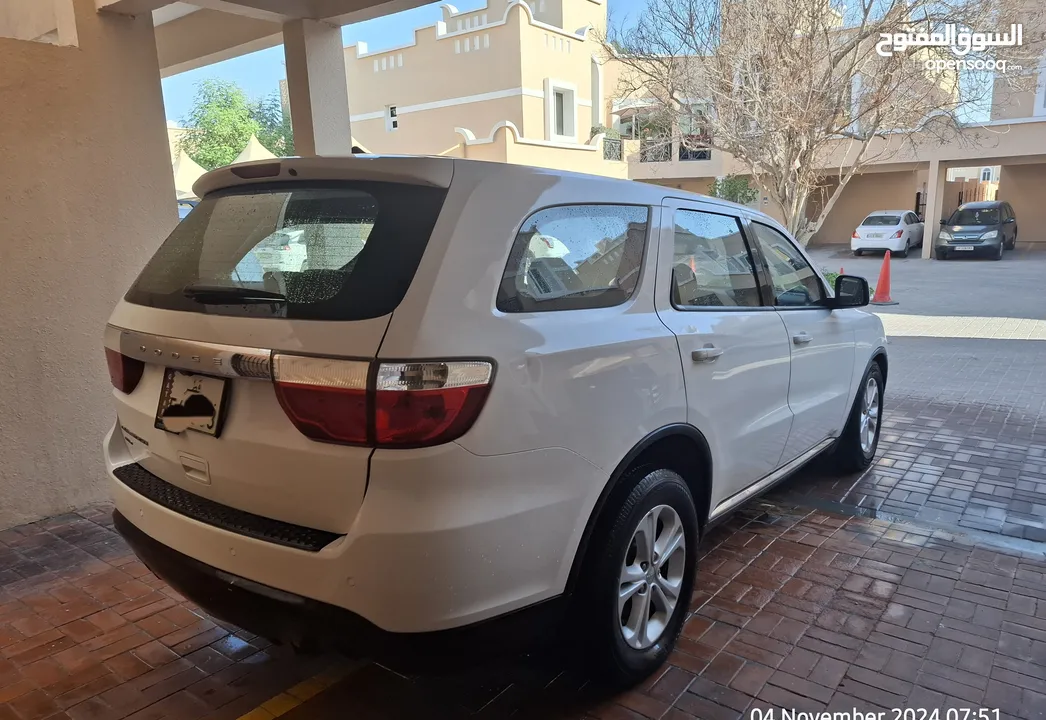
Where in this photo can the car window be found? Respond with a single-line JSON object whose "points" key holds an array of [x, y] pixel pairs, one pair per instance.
{"points": [[711, 266], [881, 220], [975, 216], [331, 252], [795, 284], [910, 219], [575, 257]]}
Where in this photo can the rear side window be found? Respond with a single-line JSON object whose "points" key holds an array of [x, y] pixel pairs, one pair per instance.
{"points": [[575, 257], [333, 252]]}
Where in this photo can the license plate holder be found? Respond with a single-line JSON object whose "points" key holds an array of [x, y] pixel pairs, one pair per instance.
{"points": [[190, 401], [964, 247]]}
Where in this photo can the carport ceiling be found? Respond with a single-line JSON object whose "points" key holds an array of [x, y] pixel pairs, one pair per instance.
{"points": [[191, 35], [338, 12]]}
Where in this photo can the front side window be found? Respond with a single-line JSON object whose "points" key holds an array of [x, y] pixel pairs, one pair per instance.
{"points": [[795, 284], [711, 266], [575, 257]]}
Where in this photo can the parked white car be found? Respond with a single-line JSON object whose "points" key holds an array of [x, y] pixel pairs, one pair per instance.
{"points": [[895, 230], [498, 398]]}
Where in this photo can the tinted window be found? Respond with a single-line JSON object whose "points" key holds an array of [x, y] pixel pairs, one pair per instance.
{"points": [[975, 216], [345, 252], [881, 220], [711, 264], [795, 284], [575, 257]]}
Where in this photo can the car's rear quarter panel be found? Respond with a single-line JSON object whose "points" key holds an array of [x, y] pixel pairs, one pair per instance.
{"points": [[579, 388]]}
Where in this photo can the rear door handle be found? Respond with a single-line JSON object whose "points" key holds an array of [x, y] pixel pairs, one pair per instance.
{"points": [[708, 353], [802, 338]]}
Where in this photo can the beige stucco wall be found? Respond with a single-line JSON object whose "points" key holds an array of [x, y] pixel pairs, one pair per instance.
{"points": [[862, 195], [87, 196], [432, 131], [30, 19], [1021, 186]]}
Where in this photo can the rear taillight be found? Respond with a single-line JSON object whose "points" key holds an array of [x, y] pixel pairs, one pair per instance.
{"points": [[855, 236], [428, 403], [897, 234], [325, 399], [124, 372], [386, 404]]}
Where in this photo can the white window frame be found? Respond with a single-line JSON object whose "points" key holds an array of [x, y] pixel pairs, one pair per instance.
{"points": [[392, 118], [569, 90], [986, 171]]}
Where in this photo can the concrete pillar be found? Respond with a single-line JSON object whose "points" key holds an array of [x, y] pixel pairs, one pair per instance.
{"points": [[317, 88], [88, 196], [934, 204]]}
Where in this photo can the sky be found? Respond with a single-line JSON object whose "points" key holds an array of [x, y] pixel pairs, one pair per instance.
{"points": [[259, 73]]}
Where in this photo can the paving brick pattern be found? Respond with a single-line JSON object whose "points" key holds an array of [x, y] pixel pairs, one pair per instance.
{"points": [[795, 609], [963, 441], [88, 633]]}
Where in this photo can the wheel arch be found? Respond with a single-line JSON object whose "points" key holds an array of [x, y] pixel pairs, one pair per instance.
{"points": [[680, 447]]}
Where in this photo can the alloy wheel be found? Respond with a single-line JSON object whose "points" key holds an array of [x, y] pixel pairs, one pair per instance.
{"points": [[651, 577], [869, 415]]}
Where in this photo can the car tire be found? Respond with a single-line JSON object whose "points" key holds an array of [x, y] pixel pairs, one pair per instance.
{"points": [[998, 255], [907, 247], [615, 638], [855, 448], [858, 253]]}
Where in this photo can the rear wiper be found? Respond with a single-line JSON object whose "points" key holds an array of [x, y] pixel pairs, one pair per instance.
{"points": [[235, 295]]}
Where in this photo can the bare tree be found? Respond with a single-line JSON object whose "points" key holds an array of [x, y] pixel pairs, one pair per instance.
{"points": [[804, 94]]}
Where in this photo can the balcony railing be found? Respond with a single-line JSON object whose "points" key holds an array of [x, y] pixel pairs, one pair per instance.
{"points": [[694, 147], [612, 149], [655, 150]]}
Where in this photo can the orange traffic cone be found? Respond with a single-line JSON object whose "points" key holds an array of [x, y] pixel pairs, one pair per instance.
{"points": [[882, 288]]}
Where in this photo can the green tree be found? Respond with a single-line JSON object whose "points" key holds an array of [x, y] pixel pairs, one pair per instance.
{"points": [[223, 119], [274, 127], [734, 188], [219, 125]]}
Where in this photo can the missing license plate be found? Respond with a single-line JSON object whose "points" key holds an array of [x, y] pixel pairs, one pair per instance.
{"points": [[191, 402]]}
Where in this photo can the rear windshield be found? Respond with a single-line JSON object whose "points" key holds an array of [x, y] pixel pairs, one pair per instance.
{"points": [[332, 252], [884, 220], [975, 216]]}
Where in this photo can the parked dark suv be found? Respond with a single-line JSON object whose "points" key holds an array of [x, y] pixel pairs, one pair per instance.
{"points": [[978, 228]]}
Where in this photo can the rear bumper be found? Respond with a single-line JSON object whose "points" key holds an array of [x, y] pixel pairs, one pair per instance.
{"points": [[443, 539], [302, 622], [893, 245]]}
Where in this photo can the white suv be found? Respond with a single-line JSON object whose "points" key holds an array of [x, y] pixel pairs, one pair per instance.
{"points": [[489, 392]]}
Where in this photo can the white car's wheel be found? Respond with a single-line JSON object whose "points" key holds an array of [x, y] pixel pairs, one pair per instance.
{"points": [[855, 448], [638, 585]]}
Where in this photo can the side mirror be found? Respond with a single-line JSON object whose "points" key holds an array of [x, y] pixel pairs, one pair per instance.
{"points": [[1011, 220], [850, 292], [942, 223]]}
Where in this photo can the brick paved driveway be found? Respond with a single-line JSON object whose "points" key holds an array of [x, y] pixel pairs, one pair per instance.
{"points": [[796, 608]]}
